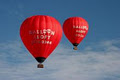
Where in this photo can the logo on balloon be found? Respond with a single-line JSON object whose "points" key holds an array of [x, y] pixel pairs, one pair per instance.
{"points": [[42, 36], [81, 27], [80, 30]]}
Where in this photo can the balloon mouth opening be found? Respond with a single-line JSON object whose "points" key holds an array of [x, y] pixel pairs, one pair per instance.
{"points": [[75, 48], [40, 61], [40, 66]]}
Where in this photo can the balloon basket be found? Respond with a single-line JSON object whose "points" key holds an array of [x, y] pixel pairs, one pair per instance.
{"points": [[40, 66], [75, 48]]}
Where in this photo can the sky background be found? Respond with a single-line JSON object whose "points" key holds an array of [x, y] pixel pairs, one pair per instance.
{"points": [[98, 57]]}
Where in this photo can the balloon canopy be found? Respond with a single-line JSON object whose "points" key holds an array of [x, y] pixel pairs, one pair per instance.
{"points": [[75, 29], [40, 35]]}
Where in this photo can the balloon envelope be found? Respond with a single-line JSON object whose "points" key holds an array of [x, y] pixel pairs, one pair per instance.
{"points": [[40, 34], [75, 29]]}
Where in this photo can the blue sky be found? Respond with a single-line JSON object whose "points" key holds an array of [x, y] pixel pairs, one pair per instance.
{"points": [[98, 56]]}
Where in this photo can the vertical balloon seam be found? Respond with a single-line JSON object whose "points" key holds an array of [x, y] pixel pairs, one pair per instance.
{"points": [[40, 28], [39, 34], [57, 26], [78, 40], [46, 51], [77, 23], [74, 23], [56, 33], [51, 22], [45, 24], [44, 39], [71, 29], [81, 22], [71, 23], [34, 28]]}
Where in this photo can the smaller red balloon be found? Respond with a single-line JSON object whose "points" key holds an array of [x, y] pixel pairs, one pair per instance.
{"points": [[75, 29]]}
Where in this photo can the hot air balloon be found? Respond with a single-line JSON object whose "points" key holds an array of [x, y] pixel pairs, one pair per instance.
{"points": [[40, 35], [75, 29]]}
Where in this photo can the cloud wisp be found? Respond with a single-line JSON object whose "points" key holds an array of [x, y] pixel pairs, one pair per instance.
{"points": [[98, 62]]}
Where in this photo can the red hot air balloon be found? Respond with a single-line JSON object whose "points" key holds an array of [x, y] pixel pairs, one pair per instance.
{"points": [[40, 35], [75, 29]]}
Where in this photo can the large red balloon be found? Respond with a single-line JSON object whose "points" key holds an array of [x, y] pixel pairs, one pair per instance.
{"points": [[40, 34], [75, 29]]}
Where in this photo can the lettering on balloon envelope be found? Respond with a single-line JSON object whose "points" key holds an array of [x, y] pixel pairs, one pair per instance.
{"points": [[80, 31], [41, 36]]}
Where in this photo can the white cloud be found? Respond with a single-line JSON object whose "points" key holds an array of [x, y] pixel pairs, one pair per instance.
{"points": [[98, 62]]}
